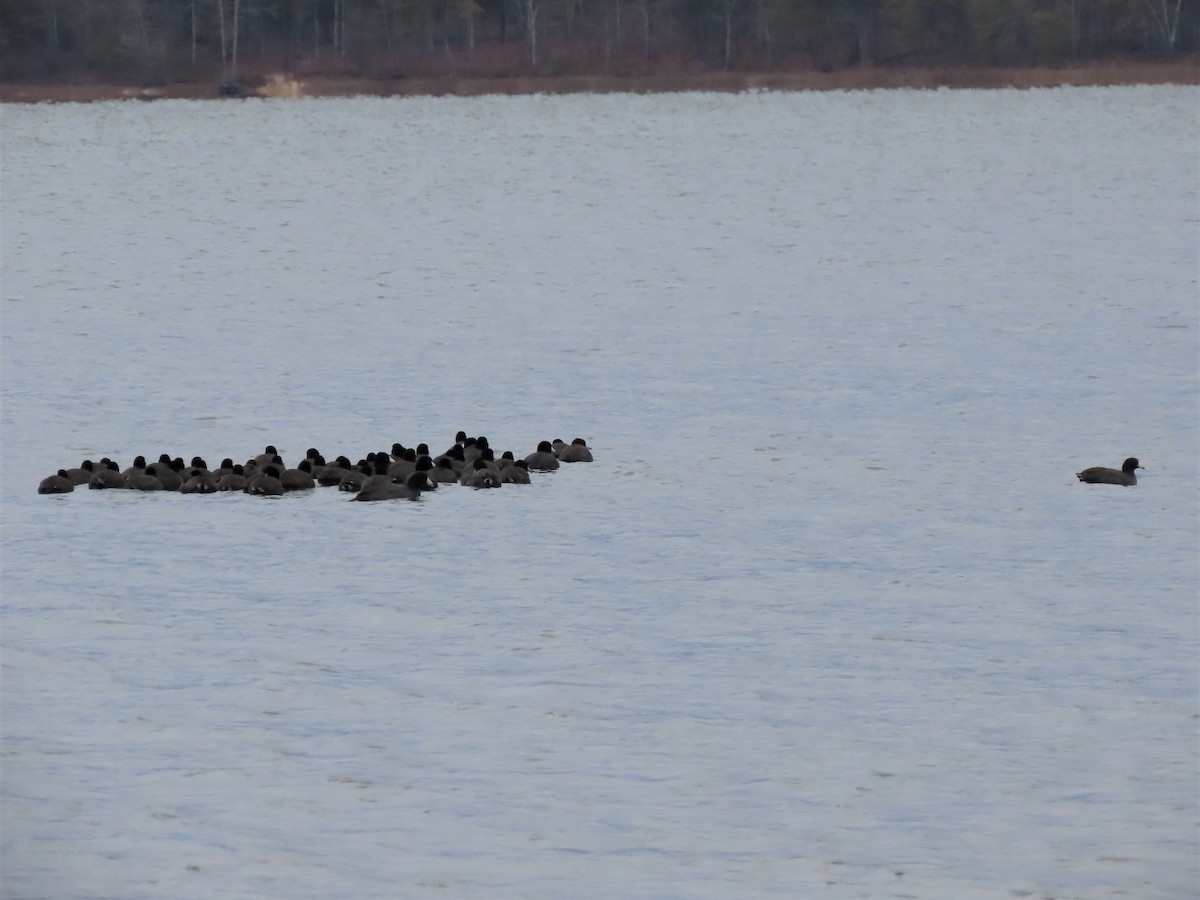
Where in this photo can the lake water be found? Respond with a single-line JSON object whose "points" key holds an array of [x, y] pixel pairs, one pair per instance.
{"points": [[829, 615]]}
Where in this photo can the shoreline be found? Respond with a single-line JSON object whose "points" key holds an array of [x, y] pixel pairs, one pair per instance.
{"points": [[858, 78]]}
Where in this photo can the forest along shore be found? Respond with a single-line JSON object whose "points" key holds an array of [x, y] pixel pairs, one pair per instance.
{"points": [[284, 85]]}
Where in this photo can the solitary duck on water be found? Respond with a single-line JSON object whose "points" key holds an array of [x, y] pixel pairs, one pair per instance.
{"points": [[1100, 475]]}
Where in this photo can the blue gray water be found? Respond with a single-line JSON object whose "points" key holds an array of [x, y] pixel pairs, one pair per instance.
{"points": [[829, 615]]}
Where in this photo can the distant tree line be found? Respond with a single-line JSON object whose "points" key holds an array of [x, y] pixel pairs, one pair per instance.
{"points": [[159, 41]]}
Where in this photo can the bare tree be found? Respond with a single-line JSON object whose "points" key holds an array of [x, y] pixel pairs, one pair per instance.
{"points": [[229, 47], [316, 18], [192, 16], [1166, 21], [139, 14], [386, 19], [237, 4], [151, 40], [531, 8], [51, 25], [727, 10], [644, 9], [468, 10], [224, 51]]}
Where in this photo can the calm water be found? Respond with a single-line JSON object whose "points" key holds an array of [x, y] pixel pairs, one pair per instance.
{"points": [[830, 614]]}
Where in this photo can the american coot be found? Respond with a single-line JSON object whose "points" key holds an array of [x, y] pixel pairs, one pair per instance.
{"points": [[199, 481], [83, 474], [299, 478], [403, 464], [234, 479], [424, 465], [107, 477], [443, 472], [166, 473], [139, 466], [1101, 475], [517, 473], [353, 480], [543, 458], [333, 473], [474, 448], [316, 465], [382, 475], [409, 489], [265, 483], [143, 480], [57, 483], [487, 456], [455, 457], [481, 476], [576, 451], [458, 442]]}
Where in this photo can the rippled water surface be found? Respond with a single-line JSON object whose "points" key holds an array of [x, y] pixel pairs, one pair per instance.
{"points": [[829, 615]]}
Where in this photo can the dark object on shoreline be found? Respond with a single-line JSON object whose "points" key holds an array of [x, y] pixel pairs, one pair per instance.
{"points": [[1101, 475], [229, 89]]}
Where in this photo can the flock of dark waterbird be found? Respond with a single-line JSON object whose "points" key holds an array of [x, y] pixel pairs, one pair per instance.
{"points": [[400, 474], [403, 473]]}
